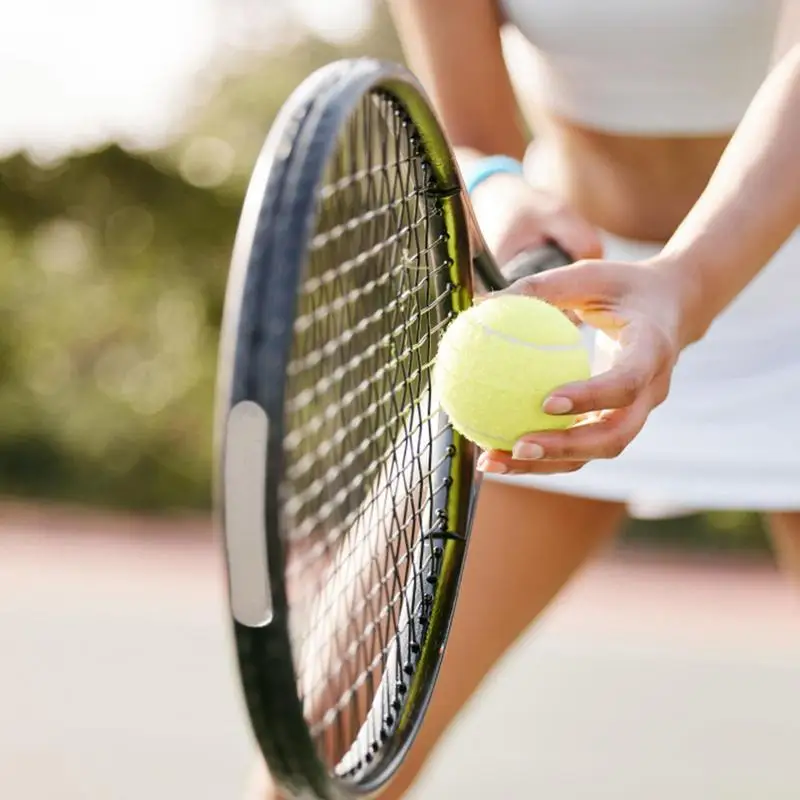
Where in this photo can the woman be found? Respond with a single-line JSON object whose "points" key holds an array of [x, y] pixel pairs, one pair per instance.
{"points": [[634, 105]]}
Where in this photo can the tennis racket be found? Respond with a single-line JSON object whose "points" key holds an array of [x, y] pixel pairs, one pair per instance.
{"points": [[344, 494]]}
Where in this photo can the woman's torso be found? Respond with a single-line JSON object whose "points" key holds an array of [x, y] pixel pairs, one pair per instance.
{"points": [[633, 102]]}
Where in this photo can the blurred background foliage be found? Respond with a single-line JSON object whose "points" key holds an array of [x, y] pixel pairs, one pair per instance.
{"points": [[114, 266]]}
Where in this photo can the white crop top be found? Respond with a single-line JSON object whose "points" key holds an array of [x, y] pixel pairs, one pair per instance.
{"points": [[669, 67]]}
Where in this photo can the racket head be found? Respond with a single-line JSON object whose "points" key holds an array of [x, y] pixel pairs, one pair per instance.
{"points": [[351, 258]]}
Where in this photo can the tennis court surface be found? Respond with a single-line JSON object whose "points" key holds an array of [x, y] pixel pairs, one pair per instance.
{"points": [[650, 679]]}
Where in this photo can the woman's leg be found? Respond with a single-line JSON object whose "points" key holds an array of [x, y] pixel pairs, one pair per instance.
{"points": [[785, 531], [525, 546]]}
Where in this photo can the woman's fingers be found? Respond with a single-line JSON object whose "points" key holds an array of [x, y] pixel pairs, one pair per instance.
{"points": [[498, 462], [573, 234], [640, 357], [575, 286], [623, 301], [594, 288], [604, 437], [617, 388]]}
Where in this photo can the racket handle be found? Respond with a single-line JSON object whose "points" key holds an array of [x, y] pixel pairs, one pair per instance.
{"points": [[531, 262], [549, 256]]}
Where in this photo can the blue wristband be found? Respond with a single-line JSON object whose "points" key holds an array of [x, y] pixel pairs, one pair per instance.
{"points": [[490, 165]]}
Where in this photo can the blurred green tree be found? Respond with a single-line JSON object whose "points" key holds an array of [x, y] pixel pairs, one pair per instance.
{"points": [[114, 266]]}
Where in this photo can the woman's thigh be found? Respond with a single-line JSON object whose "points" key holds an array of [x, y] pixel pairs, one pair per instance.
{"points": [[525, 545], [785, 532]]}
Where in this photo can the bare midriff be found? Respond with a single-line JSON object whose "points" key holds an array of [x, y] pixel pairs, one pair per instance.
{"points": [[637, 187]]}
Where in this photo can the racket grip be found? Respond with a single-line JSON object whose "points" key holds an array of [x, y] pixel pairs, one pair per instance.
{"points": [[532, 262]]}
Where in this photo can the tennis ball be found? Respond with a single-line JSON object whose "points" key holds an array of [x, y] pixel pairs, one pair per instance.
{"points": [[497, 363]]}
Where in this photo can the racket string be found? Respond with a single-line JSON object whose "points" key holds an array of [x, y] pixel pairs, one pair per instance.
{"points": [[364, 444], [370, 352], [312, 523], [400, 529], [357, 176]]}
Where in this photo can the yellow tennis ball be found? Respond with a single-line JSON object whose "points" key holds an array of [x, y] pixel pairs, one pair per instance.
{"points": [[497, 363]]}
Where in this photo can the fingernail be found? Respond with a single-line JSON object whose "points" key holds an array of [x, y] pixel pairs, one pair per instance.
{"points": [[527, 451], [557, 405], [485, 464]]}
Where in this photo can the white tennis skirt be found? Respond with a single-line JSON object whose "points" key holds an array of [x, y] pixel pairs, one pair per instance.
{"points": [[728, 435]]}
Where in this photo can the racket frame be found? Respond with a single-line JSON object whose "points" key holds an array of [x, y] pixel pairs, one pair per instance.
{"points": [[267, 266]]}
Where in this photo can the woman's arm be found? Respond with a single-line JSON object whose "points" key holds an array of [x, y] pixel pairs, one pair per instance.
{"points": [[454, 48], [655, 308], [750, 206]]}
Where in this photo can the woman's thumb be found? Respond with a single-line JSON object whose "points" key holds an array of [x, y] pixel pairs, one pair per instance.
{"points": [[572, 287]]}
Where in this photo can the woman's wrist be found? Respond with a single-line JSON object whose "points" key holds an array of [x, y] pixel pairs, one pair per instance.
{"points": [[482, 169], [477, 166], [684, 276], [487, 188]]}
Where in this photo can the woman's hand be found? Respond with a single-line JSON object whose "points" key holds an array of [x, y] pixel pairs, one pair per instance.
{"points": [[515, 217], [642, 308]]}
